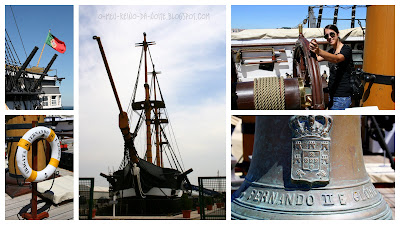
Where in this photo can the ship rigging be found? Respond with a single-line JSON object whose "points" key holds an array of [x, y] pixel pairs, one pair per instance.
{"points": [[28, 87], [146, 177]]}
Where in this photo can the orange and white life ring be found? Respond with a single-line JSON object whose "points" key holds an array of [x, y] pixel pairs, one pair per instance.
{"points": [[23, 148]]}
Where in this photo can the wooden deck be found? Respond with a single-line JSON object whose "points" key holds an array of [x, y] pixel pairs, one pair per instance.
{"points": [[59, 212], [64, 211], [388, 195]]}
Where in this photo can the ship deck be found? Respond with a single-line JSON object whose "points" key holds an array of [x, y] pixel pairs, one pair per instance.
{"points": [[62, 211], [388, 195], [193, 216], [383, 178]]}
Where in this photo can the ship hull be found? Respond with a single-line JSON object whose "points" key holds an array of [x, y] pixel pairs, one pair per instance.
{"points": [[143, 207], [154, 192]]}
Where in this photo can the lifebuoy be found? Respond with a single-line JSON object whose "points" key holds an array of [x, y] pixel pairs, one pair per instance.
{"points": [[23, 148]]}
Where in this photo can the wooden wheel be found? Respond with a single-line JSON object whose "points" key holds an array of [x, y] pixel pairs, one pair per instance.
{"points": [[306, 68]]}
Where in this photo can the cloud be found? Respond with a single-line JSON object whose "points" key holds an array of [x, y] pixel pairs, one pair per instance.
{"points": [[191, 56]]}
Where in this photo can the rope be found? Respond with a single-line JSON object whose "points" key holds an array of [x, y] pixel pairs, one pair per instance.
{"points": [[171, 131], [269, 93], [19, 33], [175, 142], [141, 120], [9, 39], [56, 173], [172, 153], [133, 96], [10, 54]]}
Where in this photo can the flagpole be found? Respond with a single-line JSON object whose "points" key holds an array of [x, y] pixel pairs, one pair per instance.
{"points": [[42, 50]]}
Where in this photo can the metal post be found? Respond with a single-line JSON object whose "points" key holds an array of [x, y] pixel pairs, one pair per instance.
{"points": [[34, 184], [114, 203], [201, 199]]}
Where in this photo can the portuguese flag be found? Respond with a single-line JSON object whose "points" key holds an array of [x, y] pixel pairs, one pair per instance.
{"points": [[55, 43]]}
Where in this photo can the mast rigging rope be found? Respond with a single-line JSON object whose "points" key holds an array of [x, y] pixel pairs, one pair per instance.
{"points": [[9, 39], [19, 33], [141, 120]]}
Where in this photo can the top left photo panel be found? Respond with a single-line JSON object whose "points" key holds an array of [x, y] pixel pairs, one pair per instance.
{"points": [[39, 49]]}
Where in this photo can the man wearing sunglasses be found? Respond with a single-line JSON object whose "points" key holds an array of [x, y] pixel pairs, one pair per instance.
{"points": [[340, 62]]}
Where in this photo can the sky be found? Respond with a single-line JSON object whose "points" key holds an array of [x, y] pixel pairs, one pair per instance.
{"points": [[190, 52], [34, 23], [277, 16]]}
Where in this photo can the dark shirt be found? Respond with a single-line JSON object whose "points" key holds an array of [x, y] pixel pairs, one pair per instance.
{"points": [[339, 77]]}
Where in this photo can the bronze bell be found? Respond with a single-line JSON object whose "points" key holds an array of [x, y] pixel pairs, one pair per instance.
{"points": [[308, 167]]}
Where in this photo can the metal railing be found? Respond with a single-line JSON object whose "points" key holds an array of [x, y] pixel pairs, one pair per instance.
{"points": [[86, 188], [212, 198]]}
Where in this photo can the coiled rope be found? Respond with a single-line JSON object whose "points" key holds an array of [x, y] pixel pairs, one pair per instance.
{"points": [[269, 93]]}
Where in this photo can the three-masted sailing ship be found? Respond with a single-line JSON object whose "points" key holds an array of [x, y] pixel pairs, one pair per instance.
{"points": [[146, 179]]}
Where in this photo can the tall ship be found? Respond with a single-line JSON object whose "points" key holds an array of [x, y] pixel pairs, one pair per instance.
{"points": [[145, 184]]}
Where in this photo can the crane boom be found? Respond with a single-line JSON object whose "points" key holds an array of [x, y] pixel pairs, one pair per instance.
{"points": [[123, 116]]}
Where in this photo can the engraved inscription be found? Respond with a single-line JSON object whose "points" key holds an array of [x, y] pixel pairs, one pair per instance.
{"points": [[327, 199], [301, 199], [365, 193], [305, 199], [342, 199], [277, 198], [272, 197], [310, 200], [252, 194]]}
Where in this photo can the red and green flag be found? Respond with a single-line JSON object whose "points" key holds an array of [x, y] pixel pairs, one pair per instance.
{"points": [[55, 43]]}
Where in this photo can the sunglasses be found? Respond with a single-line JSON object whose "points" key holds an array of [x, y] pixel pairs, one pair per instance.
{"points": [[332, 34]]}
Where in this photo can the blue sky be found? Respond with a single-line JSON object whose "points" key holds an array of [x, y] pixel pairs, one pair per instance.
{"points": [[190, 53], [34, 23], [277, 16]]}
